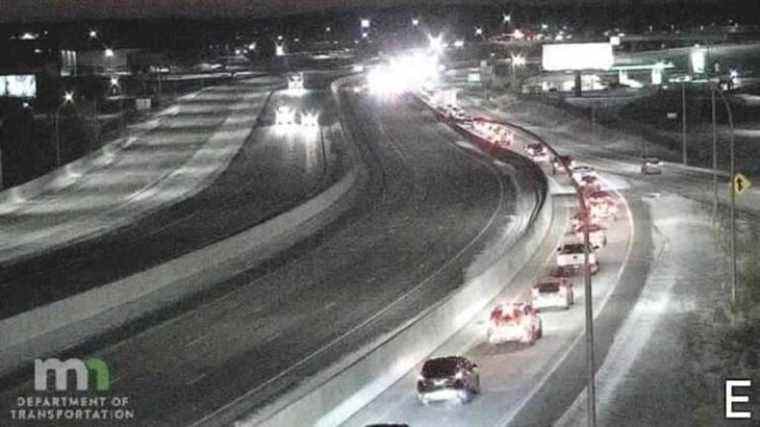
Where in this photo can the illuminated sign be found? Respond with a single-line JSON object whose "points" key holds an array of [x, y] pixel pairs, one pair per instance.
{"points": [[18, 86], [577, 56]]}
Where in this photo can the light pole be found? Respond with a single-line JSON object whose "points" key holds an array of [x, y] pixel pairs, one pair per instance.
{"points": [[115, 85], [683, 120], [517, 61], [732, 173], [714, 153], [68, 97]]}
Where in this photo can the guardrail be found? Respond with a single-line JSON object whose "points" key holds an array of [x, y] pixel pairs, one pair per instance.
{"points": [[338, 391]]}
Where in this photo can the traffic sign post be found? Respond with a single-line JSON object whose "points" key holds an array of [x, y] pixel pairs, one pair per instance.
{"points": [[741, 183]]}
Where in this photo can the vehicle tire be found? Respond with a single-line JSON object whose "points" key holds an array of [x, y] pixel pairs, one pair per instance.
{"points": [[530, 337], [540, 329]]}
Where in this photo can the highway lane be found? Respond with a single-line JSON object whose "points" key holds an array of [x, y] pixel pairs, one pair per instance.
{"points": [[511, 375], [428, 210], [124, 182], [275, 170]]}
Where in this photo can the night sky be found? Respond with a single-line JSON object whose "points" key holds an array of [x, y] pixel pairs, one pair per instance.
{"points": [[34, 10], [67, 10]]}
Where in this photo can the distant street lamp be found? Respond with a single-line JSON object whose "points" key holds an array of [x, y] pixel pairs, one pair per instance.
{"points": [[109, 53], [478, 31], [507, 18], [415, 22], [93, 34], [115, 85], [68, 98], [517, 61], [365, 23], [436, 43]]}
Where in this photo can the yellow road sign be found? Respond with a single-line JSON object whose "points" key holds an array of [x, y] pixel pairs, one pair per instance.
{"points": [[741, 183]]}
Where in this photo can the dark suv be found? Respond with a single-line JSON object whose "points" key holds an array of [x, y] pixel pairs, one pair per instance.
{"points": [[446, 378]]}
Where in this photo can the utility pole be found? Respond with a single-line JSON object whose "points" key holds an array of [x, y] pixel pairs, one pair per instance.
{"points": [[732, 174], [714, 154], [733, 203], [683, 120], [590, 387]]}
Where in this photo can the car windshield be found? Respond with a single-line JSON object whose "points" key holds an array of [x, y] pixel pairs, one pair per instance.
{"points": [[573, 248], [440, 368], [548, 287]]}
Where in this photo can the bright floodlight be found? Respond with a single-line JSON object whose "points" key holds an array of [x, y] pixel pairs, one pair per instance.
{"points": [[109, 53], [518, 60], [68, 97], [310, 120], [507, 18], [365, 23], [698, 61], [279, 50], [284, 116], [407, 72], [436, 43]]}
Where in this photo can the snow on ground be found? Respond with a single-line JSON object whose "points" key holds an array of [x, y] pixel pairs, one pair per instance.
{"points": [[670, 358]]}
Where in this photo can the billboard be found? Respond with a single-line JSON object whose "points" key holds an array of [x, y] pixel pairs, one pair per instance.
{"points": [[577, 56], [18, 86]]}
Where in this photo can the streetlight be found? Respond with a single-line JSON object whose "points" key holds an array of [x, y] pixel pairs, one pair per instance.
{"points": [[109, 53], [365, 23], [68, 98], [115, 85], [93, 34], [478, 31], [436, 43], [415, 22], [517, 61], [732, 172], [507, 18]]}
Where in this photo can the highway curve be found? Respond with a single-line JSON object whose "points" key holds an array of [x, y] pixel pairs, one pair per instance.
{"points": [[428, 209]]}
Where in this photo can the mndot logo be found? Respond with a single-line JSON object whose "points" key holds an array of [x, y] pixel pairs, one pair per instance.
{"points": [[84, 372]]}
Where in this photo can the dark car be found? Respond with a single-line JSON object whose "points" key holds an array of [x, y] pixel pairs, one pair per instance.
{"points": [[447, 378]]}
